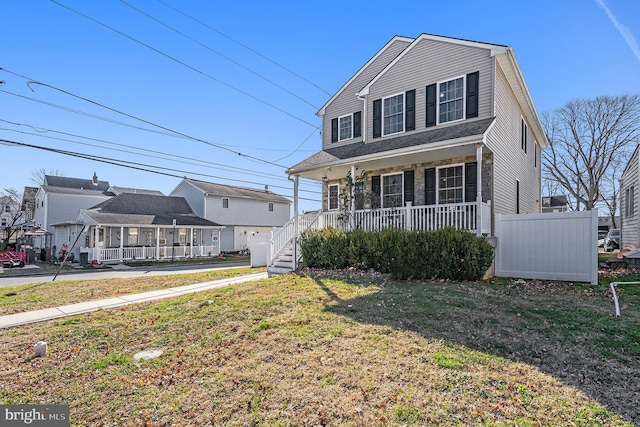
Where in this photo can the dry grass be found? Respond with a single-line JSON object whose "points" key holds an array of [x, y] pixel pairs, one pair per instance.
{"points": [[341, 351], [35, 296]]}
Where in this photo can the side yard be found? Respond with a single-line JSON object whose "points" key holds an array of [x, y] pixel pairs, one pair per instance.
{"points": [[342, 348]]}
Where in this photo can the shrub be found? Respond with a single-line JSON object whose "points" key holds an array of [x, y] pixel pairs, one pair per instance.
{"points": [[447, 253]]}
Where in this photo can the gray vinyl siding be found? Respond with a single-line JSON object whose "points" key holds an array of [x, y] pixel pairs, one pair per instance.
{"points": [[65, 207], [193, 196], [511, 163], [431, 62], [347, 102], [246, 212], [629, 233]]}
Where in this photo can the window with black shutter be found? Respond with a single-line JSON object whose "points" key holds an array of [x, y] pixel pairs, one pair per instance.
{"points": [[431, 105], [470, 182], [410, 110], [357, 127], [430, 186], [409, 186], [375, 191], [472, 94], [377, 118]]}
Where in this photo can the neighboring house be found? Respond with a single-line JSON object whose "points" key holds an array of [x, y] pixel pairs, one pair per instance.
{"points": [[11, 218], [135, 225], [57, 203], [554, 204], [120, 190], [629, 221], [446, 131], [243, 211], [29, 203]]}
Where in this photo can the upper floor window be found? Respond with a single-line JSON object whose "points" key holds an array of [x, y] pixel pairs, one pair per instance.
{"points": [[270, 206], [333, 197], [393, 114], [7, 208], [225, 203], [451, 100], [4, 222], [346, 127], [392, 191], [523, 135]]}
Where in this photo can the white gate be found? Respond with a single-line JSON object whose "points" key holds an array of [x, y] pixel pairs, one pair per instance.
{"points": [[259, 248], [548, 246]]}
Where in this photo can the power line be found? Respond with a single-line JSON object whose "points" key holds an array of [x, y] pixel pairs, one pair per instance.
{"points": [[187, 65], [246, 47], [131, 152], [219, 54], [204, 162], [133, 165]]}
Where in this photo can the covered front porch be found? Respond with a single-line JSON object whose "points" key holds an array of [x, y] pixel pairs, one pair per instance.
{"points": [[118, 243]]}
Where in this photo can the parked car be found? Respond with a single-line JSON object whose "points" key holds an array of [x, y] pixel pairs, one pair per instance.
{"points": [[601, 235], [612, 241], [10, 259]]}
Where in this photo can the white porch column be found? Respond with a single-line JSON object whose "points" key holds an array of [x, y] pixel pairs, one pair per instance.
{"points": [[295, 206], [352, 198], [191, 242], [157, 242], [479, 190], [96, 242], [121, 243]]}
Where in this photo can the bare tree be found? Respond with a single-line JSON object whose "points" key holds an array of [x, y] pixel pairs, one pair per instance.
{"points": [[11, 213], [37, 176], [588, 140]]}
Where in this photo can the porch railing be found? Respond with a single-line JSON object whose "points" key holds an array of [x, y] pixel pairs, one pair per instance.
{"points": [[154, 252], [284, 236], [411, 218]]}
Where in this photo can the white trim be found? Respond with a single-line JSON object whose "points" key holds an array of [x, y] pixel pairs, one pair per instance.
{"points": [[453, 165], [329, 197], [341, 117], [464, 99], [404, 112]]}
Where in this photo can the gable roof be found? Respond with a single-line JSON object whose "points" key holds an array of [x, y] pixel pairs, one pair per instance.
{"points": [[145, 209], [211, 189], [394, 41], [494, 48], [119, 190], [75, 183]]}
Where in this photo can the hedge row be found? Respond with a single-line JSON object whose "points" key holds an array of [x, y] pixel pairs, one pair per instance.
{"points": [[445, 254]]}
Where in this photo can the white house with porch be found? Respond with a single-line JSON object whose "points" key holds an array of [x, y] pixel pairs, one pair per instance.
{"points": [[446, 132], [139, 226]]}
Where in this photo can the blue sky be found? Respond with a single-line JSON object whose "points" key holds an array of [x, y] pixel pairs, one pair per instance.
{"points": [[249, 77]]}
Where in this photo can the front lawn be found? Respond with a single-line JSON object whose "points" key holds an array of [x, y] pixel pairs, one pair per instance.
{"points": [[347, 350]]}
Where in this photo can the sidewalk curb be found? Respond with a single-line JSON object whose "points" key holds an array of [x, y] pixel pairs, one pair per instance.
{"points": [[35, 316]]}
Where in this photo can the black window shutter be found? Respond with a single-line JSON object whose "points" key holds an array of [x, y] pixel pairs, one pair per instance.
{"points": [[430, 186], [357, 129], [410, 110], [431, 105], [470, 182], [334, 130], [408, 186], [472, 94], [377, 118], [375, 191]]}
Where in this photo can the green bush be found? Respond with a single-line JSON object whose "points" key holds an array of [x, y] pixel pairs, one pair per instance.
{"points": [[447, 253]]}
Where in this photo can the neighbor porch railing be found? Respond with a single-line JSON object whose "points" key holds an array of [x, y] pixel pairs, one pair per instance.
{"points": [[151, 252]]}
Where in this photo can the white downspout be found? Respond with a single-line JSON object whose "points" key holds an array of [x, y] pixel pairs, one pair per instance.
{"points": [[479, 190]]}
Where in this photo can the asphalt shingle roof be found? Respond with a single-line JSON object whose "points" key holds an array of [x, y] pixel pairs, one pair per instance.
{"points": [[240, 192]]}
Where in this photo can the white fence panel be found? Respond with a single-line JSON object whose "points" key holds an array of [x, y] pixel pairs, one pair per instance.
{"points": [[549, 246], [259, 249]]}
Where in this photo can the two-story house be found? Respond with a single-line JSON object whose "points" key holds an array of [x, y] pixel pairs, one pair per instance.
{"points": [[242, 211], [447, 134]]}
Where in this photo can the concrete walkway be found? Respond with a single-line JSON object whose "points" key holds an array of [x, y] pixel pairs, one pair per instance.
{"points": [[87, 307]]}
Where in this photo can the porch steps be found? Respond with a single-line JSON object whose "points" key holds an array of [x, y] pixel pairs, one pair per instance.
{"points": [[283, 263]]}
